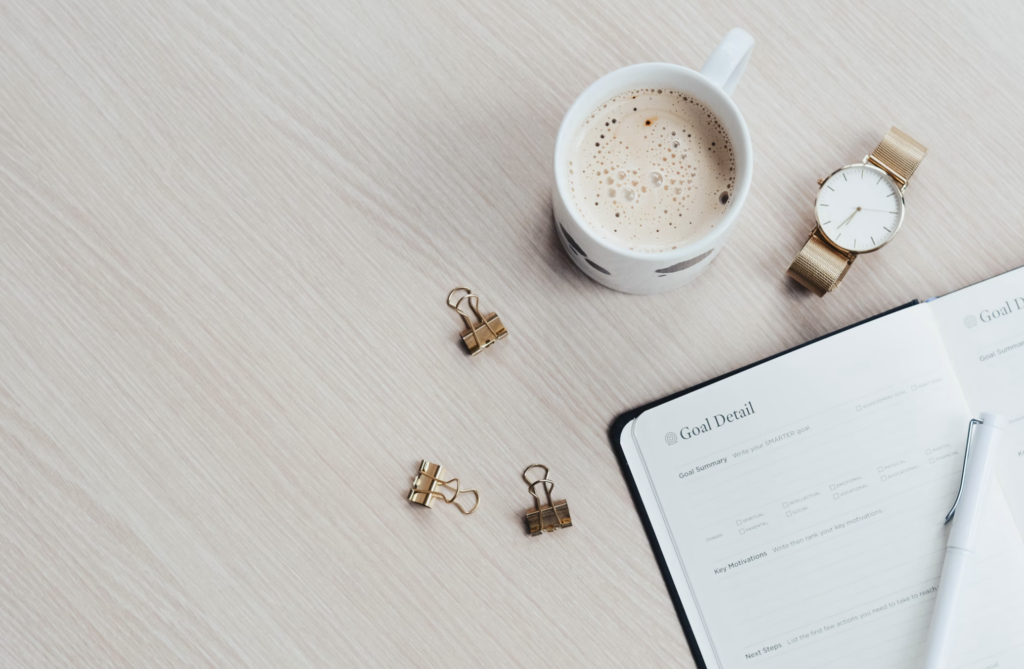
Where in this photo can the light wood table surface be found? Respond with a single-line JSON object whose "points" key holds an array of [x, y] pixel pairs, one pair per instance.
{"points": [[228, 229]]}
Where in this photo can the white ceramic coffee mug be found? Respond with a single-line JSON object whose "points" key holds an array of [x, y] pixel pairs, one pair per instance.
{"points": [[656, 272]]}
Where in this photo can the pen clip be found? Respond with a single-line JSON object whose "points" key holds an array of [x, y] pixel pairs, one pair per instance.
{"points": [[963, 474]]}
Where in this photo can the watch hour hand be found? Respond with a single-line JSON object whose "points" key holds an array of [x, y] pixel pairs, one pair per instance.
{"points": [[848, 219]]}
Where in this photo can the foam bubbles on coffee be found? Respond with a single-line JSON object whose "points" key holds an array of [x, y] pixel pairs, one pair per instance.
{"points": [[652, 170]]}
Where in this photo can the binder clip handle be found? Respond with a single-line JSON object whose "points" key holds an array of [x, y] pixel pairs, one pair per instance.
{"points": [[534, 466], [457, 304], [457, 490], [549, 485], [473, 300], [454, 305]]}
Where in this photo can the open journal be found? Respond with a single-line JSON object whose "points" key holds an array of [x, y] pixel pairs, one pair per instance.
{"points": [[797, 505]]}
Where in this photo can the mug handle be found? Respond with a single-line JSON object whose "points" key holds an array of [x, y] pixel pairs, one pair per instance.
{"points": [[725, 65]]}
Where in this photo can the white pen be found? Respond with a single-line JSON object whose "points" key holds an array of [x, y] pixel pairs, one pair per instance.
{"points": [[966, 514]]}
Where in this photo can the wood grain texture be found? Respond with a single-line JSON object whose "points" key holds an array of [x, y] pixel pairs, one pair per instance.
{"points": [[227, 233]]}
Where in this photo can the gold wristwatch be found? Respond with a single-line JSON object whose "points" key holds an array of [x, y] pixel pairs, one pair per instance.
{"points": [[859, 209]]}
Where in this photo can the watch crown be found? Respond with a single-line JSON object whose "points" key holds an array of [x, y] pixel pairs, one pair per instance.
{"points": [[821, 182]]}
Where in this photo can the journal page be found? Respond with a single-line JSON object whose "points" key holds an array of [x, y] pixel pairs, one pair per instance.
{"points": [[800, 505], [983, 327]]}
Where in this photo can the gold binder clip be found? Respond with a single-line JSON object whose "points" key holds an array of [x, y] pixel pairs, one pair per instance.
{"points": [[548, 517], [485, 331], [425, 486]]}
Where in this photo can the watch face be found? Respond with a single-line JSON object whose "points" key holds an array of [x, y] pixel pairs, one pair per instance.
{"points": [[859, 208]]}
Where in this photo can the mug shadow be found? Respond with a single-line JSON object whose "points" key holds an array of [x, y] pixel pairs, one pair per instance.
{"points": [[556, 257]]}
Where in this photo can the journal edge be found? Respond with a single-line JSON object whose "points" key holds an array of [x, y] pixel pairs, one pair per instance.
{"points": [[615, 435]]}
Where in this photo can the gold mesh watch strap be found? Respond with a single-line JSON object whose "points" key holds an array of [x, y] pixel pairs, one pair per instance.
{"points": [[898, 154], [820, 266]]}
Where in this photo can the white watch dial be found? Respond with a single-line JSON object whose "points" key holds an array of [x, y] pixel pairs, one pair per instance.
{"points": [[859, 208]]}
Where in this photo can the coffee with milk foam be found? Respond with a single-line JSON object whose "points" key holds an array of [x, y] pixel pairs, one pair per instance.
{"points": [[652, 170]]}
